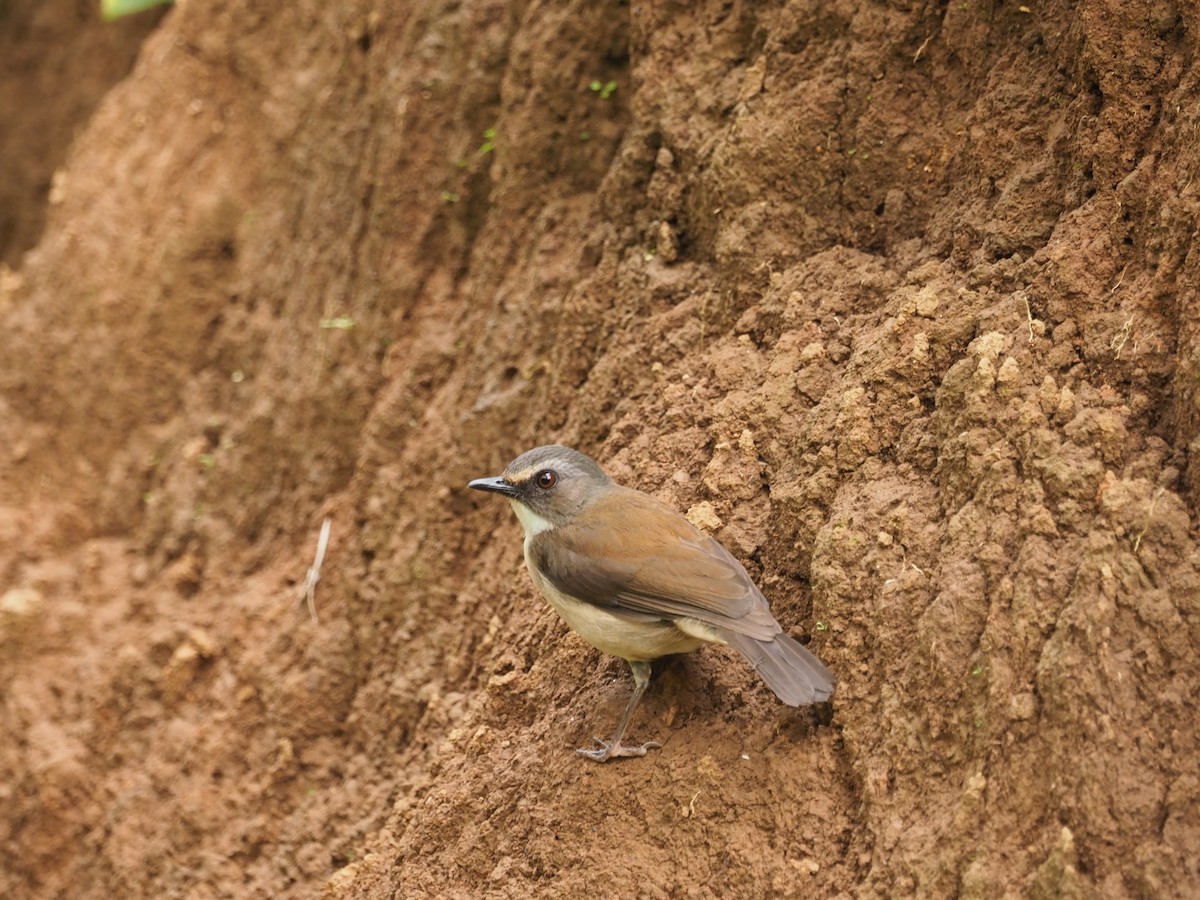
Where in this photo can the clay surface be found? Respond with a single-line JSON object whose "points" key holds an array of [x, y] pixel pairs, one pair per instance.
{"points": [[898, 300]]}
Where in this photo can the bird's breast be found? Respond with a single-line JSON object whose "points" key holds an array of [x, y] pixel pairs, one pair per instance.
{"points": [[629, 636]]}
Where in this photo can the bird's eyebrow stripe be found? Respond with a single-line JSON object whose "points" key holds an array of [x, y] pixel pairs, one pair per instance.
{"points": [[522, 476]]}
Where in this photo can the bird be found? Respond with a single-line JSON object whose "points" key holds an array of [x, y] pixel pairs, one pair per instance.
{"points": [[637, 580]]}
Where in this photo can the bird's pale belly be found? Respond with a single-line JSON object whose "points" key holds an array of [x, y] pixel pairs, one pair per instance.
{"points": [[618, 635]]}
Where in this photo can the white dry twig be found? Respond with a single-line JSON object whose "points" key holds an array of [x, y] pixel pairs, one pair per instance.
{"points": [[308, 591], [1028, 314], [1121, 338]]}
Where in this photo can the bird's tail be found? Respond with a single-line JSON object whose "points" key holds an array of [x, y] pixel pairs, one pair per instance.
{"points": [[796, 676]]}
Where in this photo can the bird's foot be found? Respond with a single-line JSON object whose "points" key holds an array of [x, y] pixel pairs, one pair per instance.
{"points": [[612, 749]]}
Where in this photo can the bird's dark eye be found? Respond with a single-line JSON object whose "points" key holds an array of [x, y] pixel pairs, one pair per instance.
{"points": [[546, 480]]}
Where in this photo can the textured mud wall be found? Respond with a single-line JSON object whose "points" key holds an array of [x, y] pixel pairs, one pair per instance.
{"points": [[57, 61], [901, 298]]}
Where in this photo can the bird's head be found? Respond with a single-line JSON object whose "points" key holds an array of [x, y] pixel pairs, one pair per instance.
{"points": [[548, 486]]}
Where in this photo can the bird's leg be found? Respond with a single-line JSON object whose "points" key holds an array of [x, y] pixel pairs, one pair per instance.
{"points": [[613, 747]]}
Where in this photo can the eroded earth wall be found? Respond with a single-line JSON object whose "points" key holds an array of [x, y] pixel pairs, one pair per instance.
{"points": [[898, 300]]}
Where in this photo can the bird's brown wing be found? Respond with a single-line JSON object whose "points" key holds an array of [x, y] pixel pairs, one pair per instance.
{"points": [[648, 559]]}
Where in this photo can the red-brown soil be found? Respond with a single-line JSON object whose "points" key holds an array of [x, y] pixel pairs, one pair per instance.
{"points": [[57, 62], [900, 299]]}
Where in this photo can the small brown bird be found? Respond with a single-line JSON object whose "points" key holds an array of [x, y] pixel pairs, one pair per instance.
{"points": [[637, 580]]}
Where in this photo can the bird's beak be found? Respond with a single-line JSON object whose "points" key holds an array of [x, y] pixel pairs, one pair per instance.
{"points": [[497, 485]]}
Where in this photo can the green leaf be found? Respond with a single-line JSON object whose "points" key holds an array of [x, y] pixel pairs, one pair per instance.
{"points": [[115, 9], [489, 142], [604, 89]]}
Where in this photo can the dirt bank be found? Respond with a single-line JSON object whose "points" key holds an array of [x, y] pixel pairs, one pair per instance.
{"points": [[906, 295]]}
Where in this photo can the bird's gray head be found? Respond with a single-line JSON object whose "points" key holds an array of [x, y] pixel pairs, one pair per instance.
{"points": [[548, 486]]}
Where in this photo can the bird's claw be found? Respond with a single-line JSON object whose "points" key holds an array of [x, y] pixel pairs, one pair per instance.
{"points": [[613, 749]]}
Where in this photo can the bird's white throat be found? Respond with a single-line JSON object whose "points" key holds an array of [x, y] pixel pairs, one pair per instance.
{"points": [[530, 521]]}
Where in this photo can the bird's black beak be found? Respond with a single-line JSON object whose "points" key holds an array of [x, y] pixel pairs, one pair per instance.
{"points": [[497, 485]]}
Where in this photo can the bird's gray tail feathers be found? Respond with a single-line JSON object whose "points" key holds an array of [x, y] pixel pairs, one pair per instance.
{"points": [[796, 676]]}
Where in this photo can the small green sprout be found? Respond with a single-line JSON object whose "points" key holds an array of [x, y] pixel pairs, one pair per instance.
{"points": [[489, 142], [604, 88], [115, 9]]}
